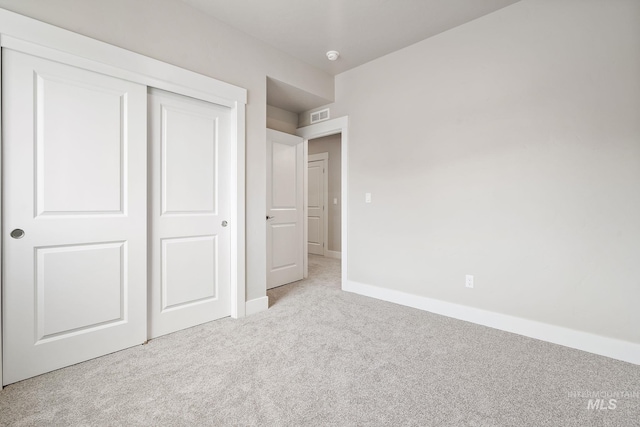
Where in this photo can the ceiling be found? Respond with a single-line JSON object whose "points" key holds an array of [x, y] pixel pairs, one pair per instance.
{"points": [[361, 30]]}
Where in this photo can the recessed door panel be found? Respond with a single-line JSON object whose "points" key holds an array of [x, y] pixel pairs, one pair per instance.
{"points": [[190, 199], [284, 254], [78, 169], [188, 274], [74, 171], [315, 230], [315, 184], [79, 287], [189, 160], [284, 177]]}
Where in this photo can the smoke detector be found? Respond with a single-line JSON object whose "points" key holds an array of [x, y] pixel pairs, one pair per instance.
{"points": [[332, 55]]}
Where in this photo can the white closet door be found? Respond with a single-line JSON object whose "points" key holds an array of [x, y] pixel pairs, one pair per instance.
{"points": [[74, 215], [190, 207]]}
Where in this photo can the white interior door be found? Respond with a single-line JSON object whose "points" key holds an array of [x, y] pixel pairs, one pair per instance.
{"points": [[190, 208], [285, 208], [74, 232], [316, 207]]}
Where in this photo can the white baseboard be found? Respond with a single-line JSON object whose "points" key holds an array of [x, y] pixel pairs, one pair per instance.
{"points": [[256, 305], [603, 346], [333, 254]]}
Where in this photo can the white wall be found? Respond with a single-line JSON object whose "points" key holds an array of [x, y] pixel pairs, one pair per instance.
{"points": [[507, 148], [331, 144], [176, 33]]}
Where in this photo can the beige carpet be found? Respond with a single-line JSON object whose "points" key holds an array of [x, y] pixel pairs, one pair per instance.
{"points": [[320, 356]]}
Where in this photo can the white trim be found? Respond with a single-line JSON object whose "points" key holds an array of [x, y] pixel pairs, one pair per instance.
{"points": [[325, 199], [305, 209], [332, 127], [333, 254], [238, 261], [257, 305], [28, 35], [1, 230], [603, 346]]}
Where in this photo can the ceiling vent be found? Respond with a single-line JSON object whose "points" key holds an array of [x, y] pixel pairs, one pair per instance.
{"points": [[319, 116]]}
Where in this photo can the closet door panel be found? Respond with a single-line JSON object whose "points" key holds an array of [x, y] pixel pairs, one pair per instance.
{"points": [[74, 170], [190, 143]]}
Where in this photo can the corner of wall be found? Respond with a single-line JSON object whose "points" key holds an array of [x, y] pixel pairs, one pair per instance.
{"points": [[257, 305]]}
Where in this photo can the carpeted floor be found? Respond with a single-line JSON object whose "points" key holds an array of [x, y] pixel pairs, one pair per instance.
{"points": [[320, 356]]}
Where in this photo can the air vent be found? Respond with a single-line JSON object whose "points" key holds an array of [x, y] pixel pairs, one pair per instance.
{"points": [[319, 116]]}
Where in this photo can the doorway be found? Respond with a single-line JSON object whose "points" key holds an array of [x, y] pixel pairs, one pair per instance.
{"points": [[324, 196], [337, 128]]}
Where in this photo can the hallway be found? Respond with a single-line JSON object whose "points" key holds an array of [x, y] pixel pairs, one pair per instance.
{"points": [[324, 272]]}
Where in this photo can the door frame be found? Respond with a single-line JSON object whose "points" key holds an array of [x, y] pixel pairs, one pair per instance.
{"points": [[324, 157], [37, 38], [339, 125]]}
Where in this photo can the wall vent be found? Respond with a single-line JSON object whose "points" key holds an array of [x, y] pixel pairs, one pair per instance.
{"points": [[319, 116]]}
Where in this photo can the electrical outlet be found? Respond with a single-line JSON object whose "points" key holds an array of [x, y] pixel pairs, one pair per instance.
{"points": [[367, 197], [469, 281]]}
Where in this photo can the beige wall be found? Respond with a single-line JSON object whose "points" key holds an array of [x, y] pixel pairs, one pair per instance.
{"points": [[282, 120], [507, 148], [331, 144], [176, 33]]}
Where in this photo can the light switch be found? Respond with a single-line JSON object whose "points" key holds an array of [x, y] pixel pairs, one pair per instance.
{"points": [[335, 200], [367, 197]]}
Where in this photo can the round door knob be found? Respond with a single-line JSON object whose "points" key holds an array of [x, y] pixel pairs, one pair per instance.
{"points": [[17, 233], [225, 223]]}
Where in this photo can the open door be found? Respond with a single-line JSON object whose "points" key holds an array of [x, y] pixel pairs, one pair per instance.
{"points": [[285, 208]]}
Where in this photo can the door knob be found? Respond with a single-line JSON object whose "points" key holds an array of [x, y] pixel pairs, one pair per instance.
{"points": [[225, 223], [17, 233], [270, 217]]}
